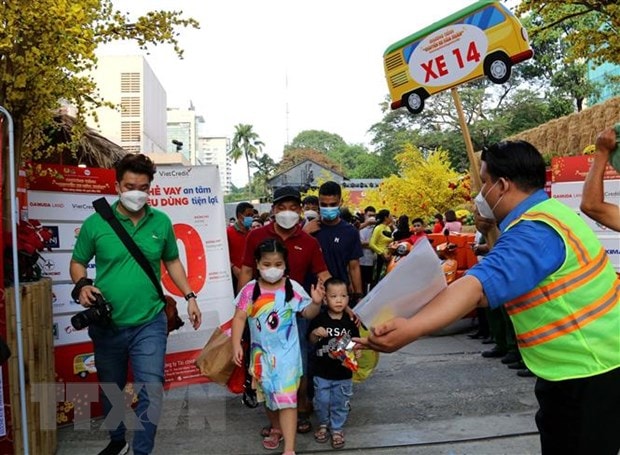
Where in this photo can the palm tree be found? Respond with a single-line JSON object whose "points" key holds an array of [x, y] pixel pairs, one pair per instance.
{"points": [[265, 166], [245, 143]]}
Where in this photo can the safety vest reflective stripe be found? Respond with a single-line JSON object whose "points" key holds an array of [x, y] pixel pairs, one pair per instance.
{"points": [[573, 241], [559, 287], [572, 322]]}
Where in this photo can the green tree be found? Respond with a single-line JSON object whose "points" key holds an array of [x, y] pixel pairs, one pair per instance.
{"points": [[265, 166], [599, 42], [318, 140], [246, 143], [292, 157], [389, 136], [46, 50], [354, 160], [561, 81]]}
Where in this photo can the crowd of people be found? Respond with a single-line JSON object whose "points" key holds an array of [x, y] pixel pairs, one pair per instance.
{"points": [[299, 271], [316, 245]]}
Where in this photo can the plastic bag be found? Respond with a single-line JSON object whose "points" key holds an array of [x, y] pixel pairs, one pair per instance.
{"points": [[367, 362]]}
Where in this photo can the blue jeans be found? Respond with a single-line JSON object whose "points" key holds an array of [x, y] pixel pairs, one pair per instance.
{"points": [[331, 401], [144, 347]]}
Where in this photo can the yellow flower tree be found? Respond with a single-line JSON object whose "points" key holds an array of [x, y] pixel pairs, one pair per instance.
{"points": [[426, 185], [46, 50]]}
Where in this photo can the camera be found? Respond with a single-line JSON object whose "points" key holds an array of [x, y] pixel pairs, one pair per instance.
{"points": [[99, 313]]}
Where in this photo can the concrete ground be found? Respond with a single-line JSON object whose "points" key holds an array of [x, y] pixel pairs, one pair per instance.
{"points": [[436, 396]]}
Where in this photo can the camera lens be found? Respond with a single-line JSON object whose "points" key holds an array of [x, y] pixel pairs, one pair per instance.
{"points": [[98, 313], [82, 319]]}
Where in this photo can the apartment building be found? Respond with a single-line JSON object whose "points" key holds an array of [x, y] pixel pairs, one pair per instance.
{"points": [[214, 150], [138, 121]]}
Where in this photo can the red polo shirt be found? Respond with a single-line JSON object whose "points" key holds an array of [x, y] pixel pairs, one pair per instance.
{"points": [[236, 244], [304, 252], [416, 236]]}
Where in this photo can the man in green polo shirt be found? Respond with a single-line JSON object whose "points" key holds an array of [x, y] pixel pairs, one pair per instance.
{"points": [[138, 333]]}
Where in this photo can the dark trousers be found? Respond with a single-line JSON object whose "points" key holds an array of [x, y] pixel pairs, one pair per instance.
{"points": [[378, 269], [579, 416], [502, 330], [367, 272]]}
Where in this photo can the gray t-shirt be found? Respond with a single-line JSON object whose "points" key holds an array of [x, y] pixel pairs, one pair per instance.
{"points": [[369, 257]]}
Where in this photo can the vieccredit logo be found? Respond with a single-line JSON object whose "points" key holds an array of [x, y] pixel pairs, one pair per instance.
{"points": [[175, 173], [82, 206]]}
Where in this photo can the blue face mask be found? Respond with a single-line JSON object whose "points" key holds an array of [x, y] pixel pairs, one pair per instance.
{"points": [[329, 213], [247, 222]]}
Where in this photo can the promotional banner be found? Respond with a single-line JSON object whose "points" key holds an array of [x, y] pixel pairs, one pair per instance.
{"points": [[191, 196], [568, 176]]}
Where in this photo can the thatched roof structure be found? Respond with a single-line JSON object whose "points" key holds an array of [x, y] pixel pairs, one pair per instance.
{"points": [[90, 148]]}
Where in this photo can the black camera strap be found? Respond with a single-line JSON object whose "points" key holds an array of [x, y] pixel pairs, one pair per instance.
{"points": [[103, 208]]}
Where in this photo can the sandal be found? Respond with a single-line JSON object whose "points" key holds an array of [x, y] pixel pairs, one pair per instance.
{"points": [[272, 441], [322, 434], [304, 425], [337, 439]]}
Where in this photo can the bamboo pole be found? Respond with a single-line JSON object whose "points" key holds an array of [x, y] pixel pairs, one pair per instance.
{"points": [[36, 298]]}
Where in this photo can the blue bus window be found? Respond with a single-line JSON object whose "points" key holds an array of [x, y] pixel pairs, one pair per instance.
{"points": [[486, 18]]}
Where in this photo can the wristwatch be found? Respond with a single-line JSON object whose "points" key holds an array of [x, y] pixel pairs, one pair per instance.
{"points": [[191, 295]]}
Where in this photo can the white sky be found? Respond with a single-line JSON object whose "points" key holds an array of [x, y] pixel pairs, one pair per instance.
{"points": [[236, 67]]}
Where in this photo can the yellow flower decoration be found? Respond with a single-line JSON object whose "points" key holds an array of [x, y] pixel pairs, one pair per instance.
{"points": [[462, 213], [589, 150]]}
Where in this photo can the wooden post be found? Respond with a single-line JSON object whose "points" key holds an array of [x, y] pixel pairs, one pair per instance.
{"points": [[474, 164]]}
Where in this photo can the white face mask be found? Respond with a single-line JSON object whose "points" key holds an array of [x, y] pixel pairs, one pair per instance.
{"points": [[484, 209], [310, 215], [134, 200], [287, 219], [272, 274]]}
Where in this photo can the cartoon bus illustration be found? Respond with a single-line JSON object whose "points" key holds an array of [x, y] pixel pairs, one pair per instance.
{"points": [[483, 39], [83, 364]]}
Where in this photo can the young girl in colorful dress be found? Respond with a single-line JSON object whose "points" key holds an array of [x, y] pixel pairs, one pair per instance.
{"points": [[270, 304]]}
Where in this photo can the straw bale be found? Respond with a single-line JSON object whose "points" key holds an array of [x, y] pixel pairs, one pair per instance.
{"points": [[569, 135]]}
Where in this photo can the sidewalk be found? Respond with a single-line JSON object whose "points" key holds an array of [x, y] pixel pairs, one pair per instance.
{"points": [[435, 396]]}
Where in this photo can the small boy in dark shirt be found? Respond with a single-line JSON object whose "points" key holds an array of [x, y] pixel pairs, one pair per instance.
{"points": [[333, 383]]}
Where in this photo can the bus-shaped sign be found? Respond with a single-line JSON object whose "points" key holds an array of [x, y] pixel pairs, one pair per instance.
{"points": [[483, 39]]}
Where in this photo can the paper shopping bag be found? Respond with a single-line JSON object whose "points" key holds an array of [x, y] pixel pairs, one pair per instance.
{"points": [[215, 361]]}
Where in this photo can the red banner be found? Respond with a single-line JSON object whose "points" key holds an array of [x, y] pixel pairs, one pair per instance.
{"points": [[71, 179], [575, 169]]}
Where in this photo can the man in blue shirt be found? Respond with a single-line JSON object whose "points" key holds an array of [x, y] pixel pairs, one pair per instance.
{"points": [[340, 241], [579, 397]]}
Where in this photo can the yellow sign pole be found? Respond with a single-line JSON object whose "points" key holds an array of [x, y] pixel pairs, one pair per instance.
{"points": [[474, 164]]}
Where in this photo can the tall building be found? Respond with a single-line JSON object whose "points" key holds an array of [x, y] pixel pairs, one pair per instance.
{"points": [[607, 76], [138, 123], [182, 131], [214, 150]]}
